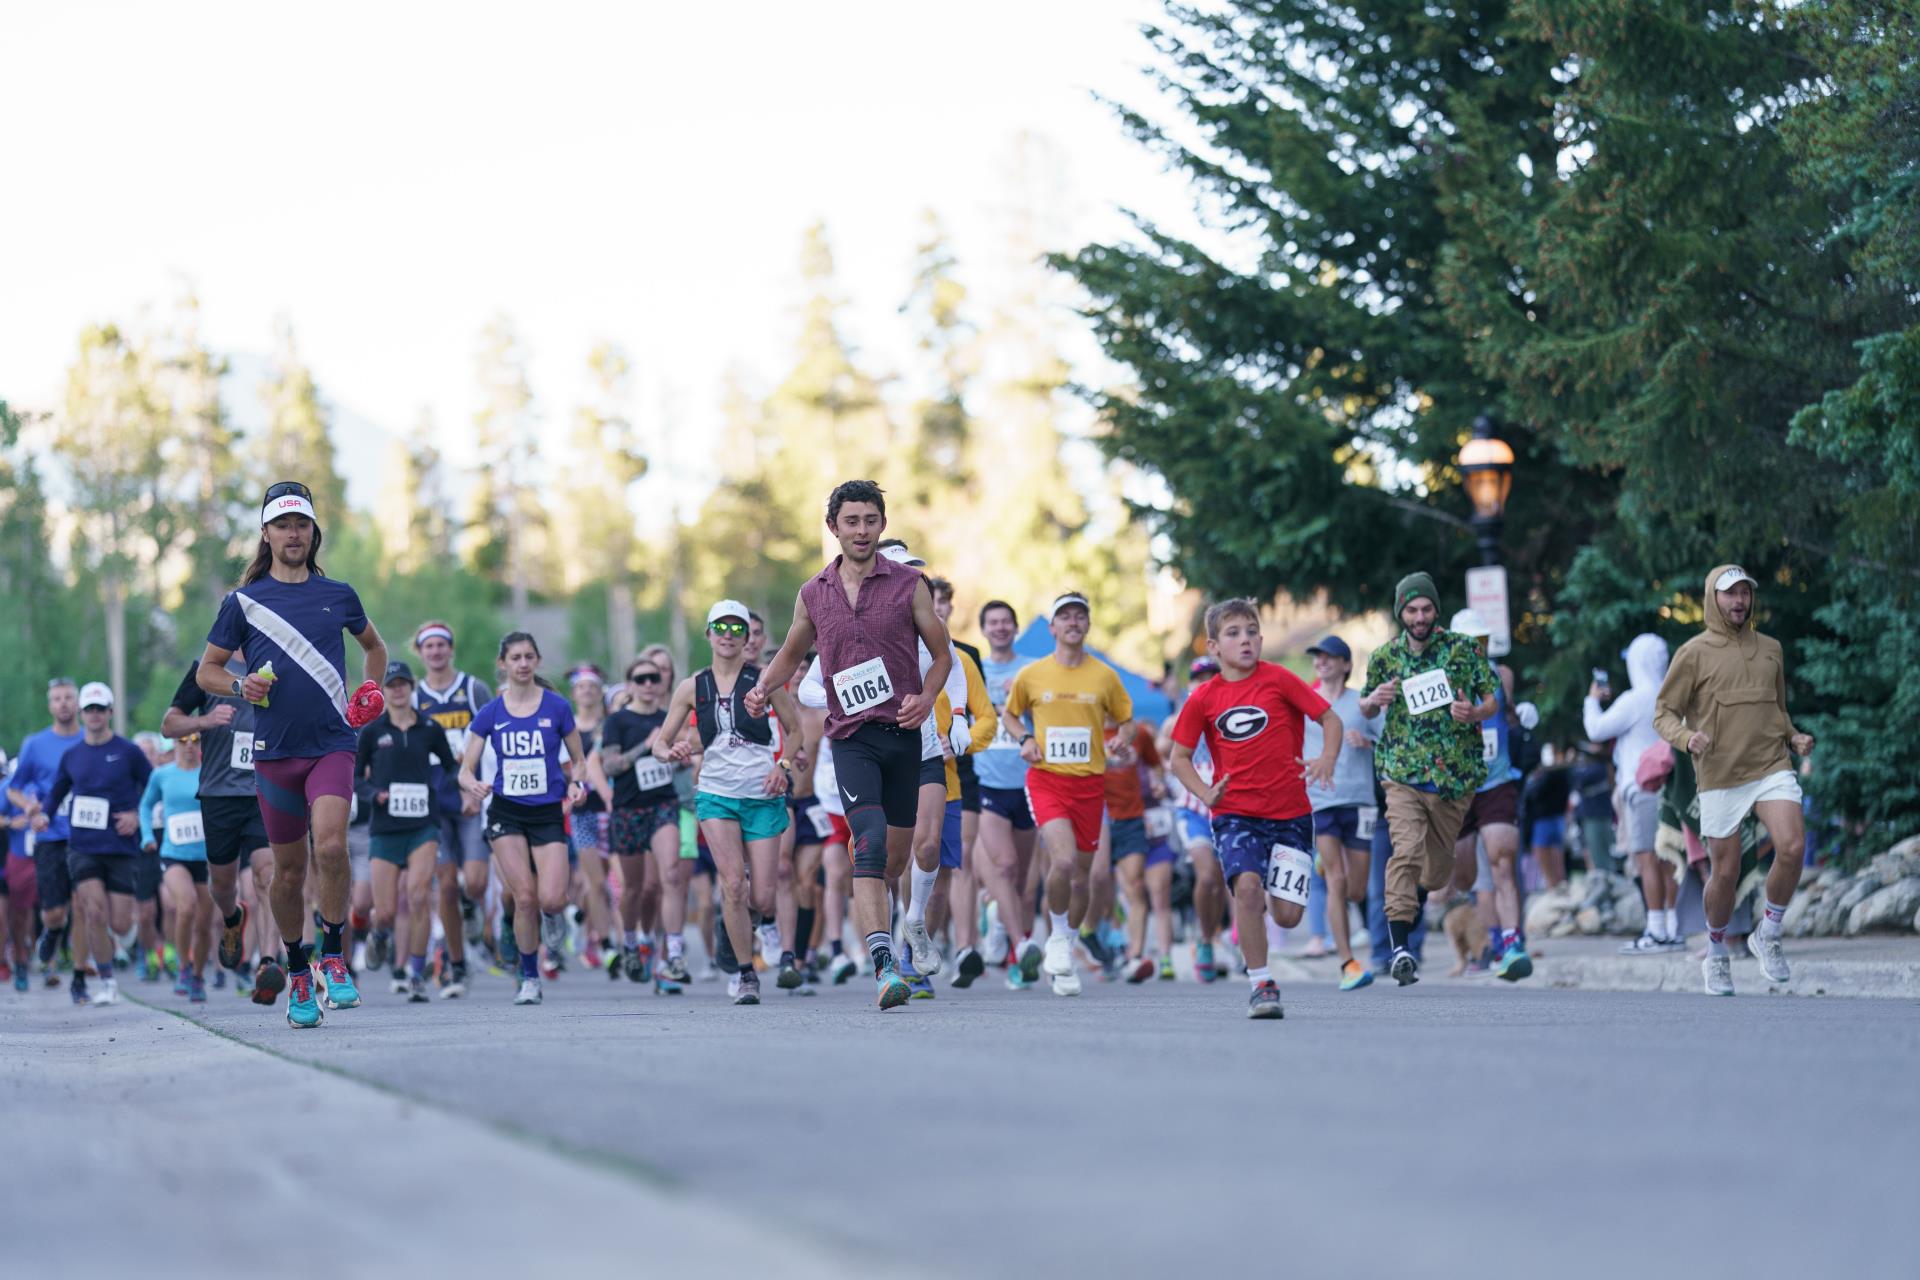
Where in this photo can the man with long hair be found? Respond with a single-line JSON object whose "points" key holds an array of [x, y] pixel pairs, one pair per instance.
{"points": [[286, 615]]}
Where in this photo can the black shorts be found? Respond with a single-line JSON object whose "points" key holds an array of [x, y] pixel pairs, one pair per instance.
{"points": [[933, 773], [881, 762], [810, 822], [969, 785], [55, 886], [538, 823], [146, 876], [196, 867], [1499, 806], [117, 870], [234, 827], [1009, 803]]}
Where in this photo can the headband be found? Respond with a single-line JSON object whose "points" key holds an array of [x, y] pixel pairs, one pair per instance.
{"points": [[425, 634]]}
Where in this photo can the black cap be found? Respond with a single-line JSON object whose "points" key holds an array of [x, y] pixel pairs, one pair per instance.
{"points": [[398, 671]]}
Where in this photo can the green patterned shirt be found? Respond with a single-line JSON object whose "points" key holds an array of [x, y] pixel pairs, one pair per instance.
{"points": [[1431, 749]]}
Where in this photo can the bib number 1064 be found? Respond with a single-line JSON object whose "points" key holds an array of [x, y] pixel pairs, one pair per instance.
{"points": [[1289, 874]]}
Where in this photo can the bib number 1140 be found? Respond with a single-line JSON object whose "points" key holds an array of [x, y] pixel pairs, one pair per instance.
{"points": [[1289, 874]]}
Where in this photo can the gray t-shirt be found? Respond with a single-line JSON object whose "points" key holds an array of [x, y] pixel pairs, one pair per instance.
{"points": [[1353, 776], [226, 751]]}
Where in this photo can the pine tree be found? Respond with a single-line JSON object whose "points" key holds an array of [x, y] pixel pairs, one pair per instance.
{"points": [[298, 442]]}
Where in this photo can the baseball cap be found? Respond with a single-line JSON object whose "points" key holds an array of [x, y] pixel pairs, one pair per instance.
{"points": [[900, 555], [95, 694], [1732, 578], [1071, 598], [398, 671], [1467, 623], [728, 609], [1205, 666], [286, 498], [1333, 647]]}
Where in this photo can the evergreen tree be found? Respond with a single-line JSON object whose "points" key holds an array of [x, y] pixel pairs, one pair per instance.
{"points": [[298, 442]]}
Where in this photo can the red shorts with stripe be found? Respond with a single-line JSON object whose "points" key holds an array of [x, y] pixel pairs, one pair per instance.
{"points": [[841, 834], [1081, 800]]}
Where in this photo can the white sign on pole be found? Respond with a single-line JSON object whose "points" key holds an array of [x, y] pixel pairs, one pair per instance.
{"points": [[1487, 596]]}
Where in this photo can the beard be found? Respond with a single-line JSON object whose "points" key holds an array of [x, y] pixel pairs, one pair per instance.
{"points": [[1421, 631]]}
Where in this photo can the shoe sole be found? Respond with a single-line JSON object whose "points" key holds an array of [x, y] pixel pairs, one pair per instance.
{"points": [[320, 1017], [970, 968], [666, 988], [1266, 1012], [747, 997], [1066, 989], [1364, 980], [1517, 970], [783, 983], [1405, 974], [239, 938], [894, 995], [1030, 968]]}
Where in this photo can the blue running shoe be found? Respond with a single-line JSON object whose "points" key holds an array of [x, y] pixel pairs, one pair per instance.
{"points": [[337, 984], [1203, 962], [303, 1011], [922, 988], [197, 991], [20, 979], [182, 984], [1514, 963], [1354, 975], [1017, 979], [894, 989]]}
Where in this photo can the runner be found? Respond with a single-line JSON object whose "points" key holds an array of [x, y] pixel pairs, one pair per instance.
{"points": [[742, 788], [527, 724], [16, 886], [103, 775], [810, 828], [396, 757], [835, 865], [1343, 812], [1080, 714], [1007, 833], [33, 774], [1143, 865], [236, 834], [645, 824], [286, 615], [1724, 702], [146, 950], [1627, 721], [864, 613], [1436, 690], [180, 843], [961, 897], [450, 697], [1492, 823], [1195, 825], [588, 820], [1253, 717]]}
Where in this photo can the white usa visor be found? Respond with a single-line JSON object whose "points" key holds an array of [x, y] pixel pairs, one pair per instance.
{"points": [[287, 504]]}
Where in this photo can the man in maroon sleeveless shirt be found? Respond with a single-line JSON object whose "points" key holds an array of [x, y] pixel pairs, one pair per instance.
{"points": [[867, 615]]}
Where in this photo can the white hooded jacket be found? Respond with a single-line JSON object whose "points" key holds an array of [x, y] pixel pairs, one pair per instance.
{"points": [[1628, 721]]}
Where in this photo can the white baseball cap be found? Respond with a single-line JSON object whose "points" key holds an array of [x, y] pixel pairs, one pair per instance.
{"points": [[1467, 623], [1732, 578], [727, 609], [95, 694], [1071, 598], [900, 555]]}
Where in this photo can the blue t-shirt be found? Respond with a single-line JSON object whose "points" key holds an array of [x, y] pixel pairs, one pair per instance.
{"points": [[296, 626], [528, 747], [102, 781], [1000, 765], [177, 792], [1496, 737], [34, 771]]}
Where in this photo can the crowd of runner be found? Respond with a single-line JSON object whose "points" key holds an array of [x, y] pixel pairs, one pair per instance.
{"points": [[868, 797]]}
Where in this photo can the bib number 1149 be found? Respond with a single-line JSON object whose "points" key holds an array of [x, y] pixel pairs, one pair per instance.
{"points": [[1290, 874]]}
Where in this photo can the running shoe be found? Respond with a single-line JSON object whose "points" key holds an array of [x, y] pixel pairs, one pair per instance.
{"points": [[232, 940], [397, 981], [1029, 966], [646, 962], [1096, 947], [108, 992], [673, 971], [1203, 966], [841, 969], [789, 973], [1718, 974], [337, 984], [78, 988], [1138, 971], [592, 958], [995, 933], [219, 978], [1017, 980], [456, 983], [723, 949], [1066, 984], [553, 932], [1059, 961], [1405, 969], [749, 987], [197, 991], [22, 979], [379, 951], [149, 966], [529, 992], [1265, 1001], [894, 989], [505, 949], [970, 966], [926, 957], [1514, 963], [45, 948], [1644, 945], [1166, 968], [417, 989], [1772, 957], [268, 982], [1354, 975], [303, 1011], [471, 924], [769, 937], [183, 985], [664, 983]]}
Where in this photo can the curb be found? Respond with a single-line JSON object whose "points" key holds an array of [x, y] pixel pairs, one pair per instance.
{"points": [[1859, 979]]}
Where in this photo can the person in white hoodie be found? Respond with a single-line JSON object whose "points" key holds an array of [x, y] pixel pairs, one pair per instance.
{"points": [[1628, 721]]}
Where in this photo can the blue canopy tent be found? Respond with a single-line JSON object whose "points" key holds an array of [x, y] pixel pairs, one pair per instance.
{"points": [[1149, 703]]}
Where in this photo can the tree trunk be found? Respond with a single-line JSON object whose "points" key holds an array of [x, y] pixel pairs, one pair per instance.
{"points": [[113, 595], [676, 605]]}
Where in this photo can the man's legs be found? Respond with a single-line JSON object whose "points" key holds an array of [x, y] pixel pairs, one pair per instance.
{"points": [[90, 905], [1132, 874], [419, 898], [1333, 869]]}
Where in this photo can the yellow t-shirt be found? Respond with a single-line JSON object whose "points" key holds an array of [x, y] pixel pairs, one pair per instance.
{"points": [[1071, 708]]}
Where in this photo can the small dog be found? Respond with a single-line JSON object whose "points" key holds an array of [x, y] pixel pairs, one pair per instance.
{"points": [[1462, 924]]}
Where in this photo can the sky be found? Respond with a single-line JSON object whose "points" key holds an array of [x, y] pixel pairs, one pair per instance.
{"points": [[389, 177]]}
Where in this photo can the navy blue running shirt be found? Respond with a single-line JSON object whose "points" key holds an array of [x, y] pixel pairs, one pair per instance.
{"points": [[296, 626]]}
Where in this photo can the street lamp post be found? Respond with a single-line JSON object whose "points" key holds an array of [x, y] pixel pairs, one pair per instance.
{"points": [[1486, 462]]}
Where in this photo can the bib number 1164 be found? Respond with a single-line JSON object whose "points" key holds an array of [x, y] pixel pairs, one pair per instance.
{"points": [[1289, 874]]}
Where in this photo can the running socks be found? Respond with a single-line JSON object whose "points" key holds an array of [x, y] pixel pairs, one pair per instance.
{"points": [[802, 931], [923, 882], [331, 936], [299, 956], [1770, 923], [1717, 940], [880, 950], [529, 964], [1058, 919], [1509, 939], [1258, 976], [1398, 930], [232, 921], [418, 966], [1672, 916], [676, 945]]}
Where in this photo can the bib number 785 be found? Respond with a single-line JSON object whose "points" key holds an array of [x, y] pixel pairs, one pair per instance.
{"points": [[1289, 874]]}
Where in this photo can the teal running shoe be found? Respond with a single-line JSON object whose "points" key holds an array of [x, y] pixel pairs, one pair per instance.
{"points": [[894, 989], [1203, 962], [1017, 979], [1354, 975], [1029, 965], [303, 1011], [1514, 963], [336, 984]]}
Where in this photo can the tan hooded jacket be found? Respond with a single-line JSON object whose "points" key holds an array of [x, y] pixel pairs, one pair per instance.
{"points": [[1733, 685]]}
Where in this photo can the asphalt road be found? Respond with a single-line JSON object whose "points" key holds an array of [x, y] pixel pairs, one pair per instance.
{"points": [[1149, 1131]]}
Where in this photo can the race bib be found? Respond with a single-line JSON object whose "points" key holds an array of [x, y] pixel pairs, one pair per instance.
{"points": [[242, 751], [457, 740], [1489, 743], [1363, 819], [1428, 691], [66, 807], [1159, 823], [863, 687], [407, 799], [90, 813], [1289, 874], [1069, 746], [1002, 740], [822, 823], [186, 828], [523, 777], [651, 774]]}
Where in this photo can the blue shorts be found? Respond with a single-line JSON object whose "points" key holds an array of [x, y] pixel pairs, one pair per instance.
{"points": [[1128, 836], [1009, 803], [1549, 833], [1194, 826], [463, 837], [1245, 845], [950, 836], [1343, 821], [1159, 853]]}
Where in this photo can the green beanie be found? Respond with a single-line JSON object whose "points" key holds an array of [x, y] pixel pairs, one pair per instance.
{"points": [[1412, 587]]}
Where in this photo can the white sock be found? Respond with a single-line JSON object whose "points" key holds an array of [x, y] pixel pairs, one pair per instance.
{"points": [[1060, 926], [633, 937], [1258, 976], [1671, 917], [923, 882], [1770, 921], [676, 946]]}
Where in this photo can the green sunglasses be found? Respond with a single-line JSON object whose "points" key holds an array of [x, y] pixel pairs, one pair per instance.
{"points": [[728, 628]]}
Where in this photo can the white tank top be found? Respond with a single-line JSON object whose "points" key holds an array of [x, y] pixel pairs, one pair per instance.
{"points": [[733, 766]]}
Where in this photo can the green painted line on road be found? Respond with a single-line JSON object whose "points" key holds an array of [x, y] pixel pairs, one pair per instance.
{"points": [[626, 1166]]}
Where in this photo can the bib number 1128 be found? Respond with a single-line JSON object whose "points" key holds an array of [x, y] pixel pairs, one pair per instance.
{"points": [[1290, 874]]}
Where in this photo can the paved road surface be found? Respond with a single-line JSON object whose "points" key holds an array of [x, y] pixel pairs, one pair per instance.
{"points": [[1134, 1131]]}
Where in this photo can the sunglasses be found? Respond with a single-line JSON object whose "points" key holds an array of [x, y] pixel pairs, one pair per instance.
{"points": [[644, 677], [94, 706], [728, 628], [286, 489], [60, 682]]}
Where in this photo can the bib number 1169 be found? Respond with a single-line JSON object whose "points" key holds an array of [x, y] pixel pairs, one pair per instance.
{"points": [[1289, 874]]}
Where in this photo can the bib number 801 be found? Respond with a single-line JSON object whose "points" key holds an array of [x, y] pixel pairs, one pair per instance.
{"points": [[1289, 874]]}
